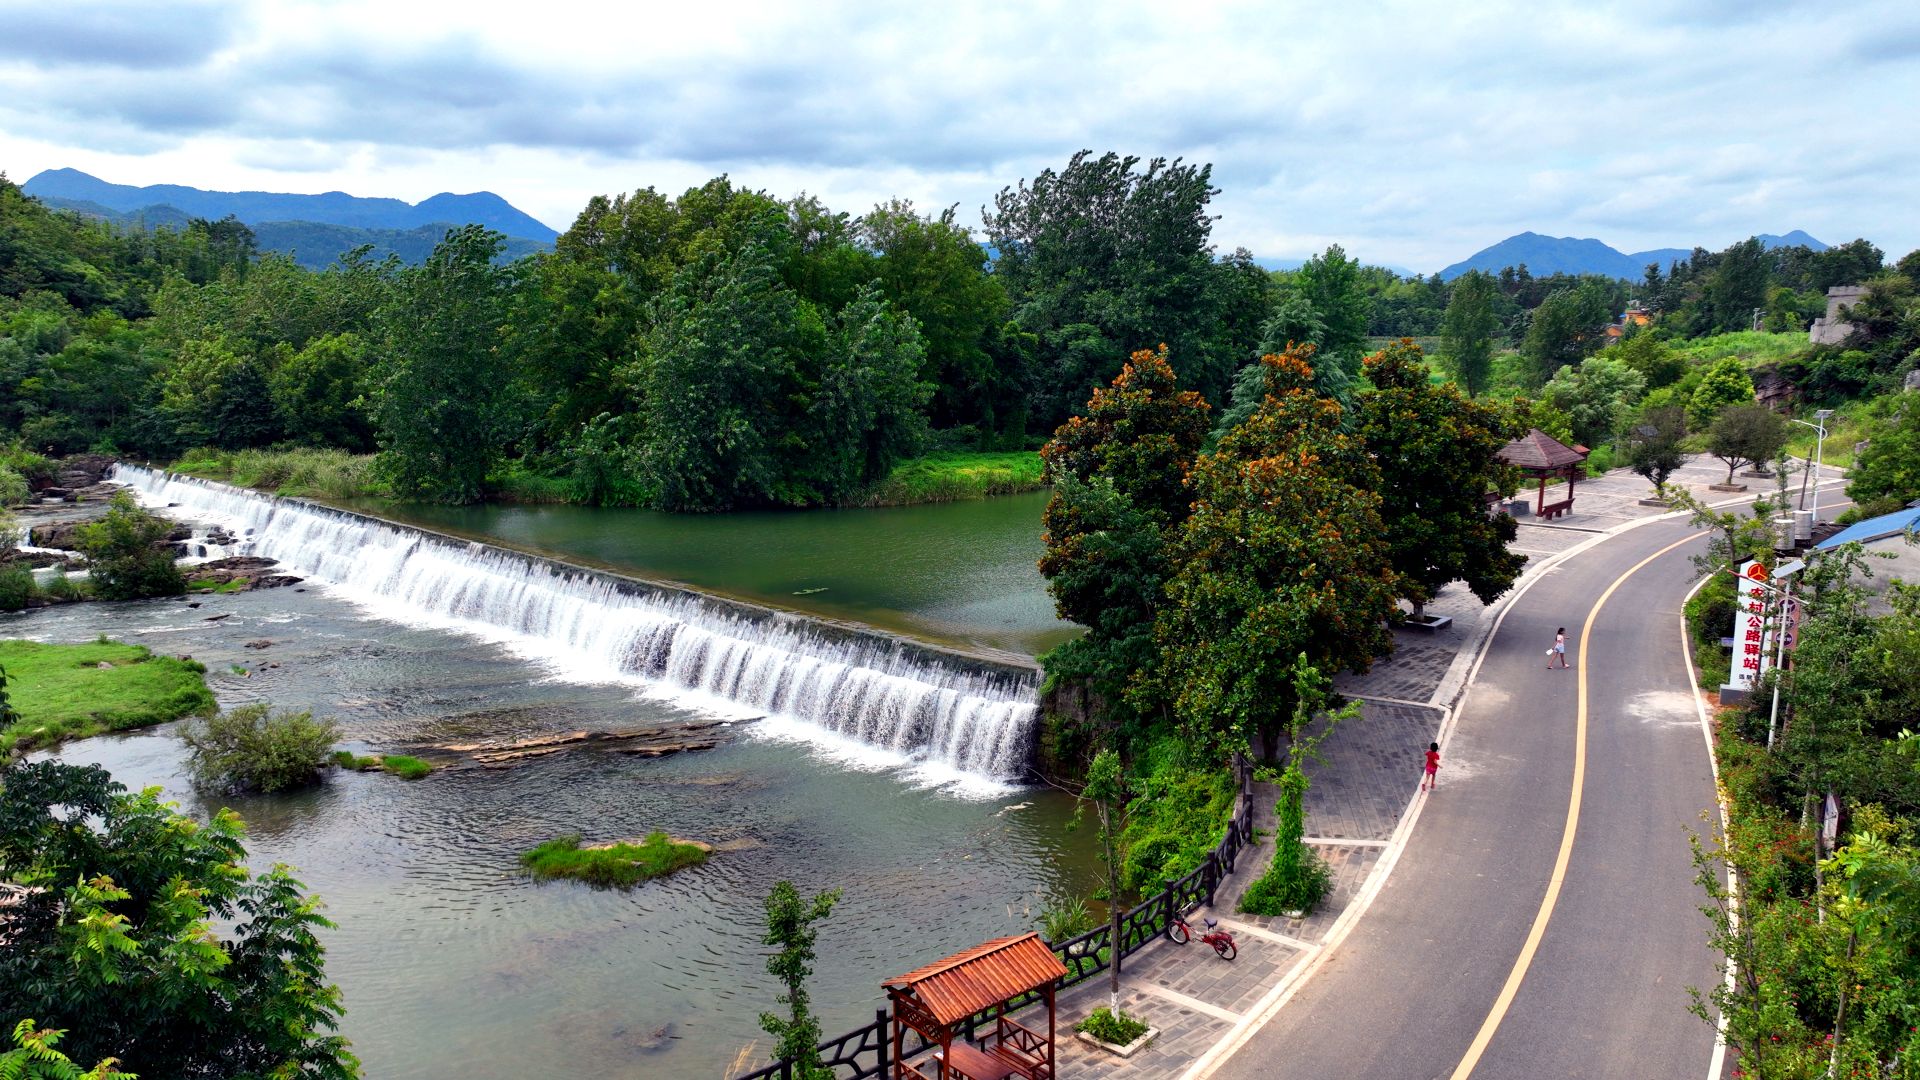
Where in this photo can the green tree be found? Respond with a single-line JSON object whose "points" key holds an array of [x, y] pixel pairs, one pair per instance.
{"points": [[1103, 258], [1646, 353], [1749, 434], [127, 551], [1597, 395], [932, 269], [1119, 477], [1297, 878], [442, 405], [1331, 282], [1737, 285], [1467, 332], [144, 934], [1888, 470], [1725, 383], [319, 393], [1284, 553], [718, 381], [790, 930], [1292, 324], [864, 414], [35, 1056], [1565, 328], [1106, 789], [1435, 450], [1656, 445]]}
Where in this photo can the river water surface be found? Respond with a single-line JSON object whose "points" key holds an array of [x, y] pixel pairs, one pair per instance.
{"points": [[453, 964], [960, 573]]}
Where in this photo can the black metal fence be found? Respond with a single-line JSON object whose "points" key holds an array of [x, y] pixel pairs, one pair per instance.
{"points": [[867, 1051]]}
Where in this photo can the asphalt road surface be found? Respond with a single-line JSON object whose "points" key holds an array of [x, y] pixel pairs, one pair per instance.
{"points": [[1416, 991]]}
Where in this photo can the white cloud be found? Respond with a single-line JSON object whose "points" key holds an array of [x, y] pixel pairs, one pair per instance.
{"points": [[1411, 133]]}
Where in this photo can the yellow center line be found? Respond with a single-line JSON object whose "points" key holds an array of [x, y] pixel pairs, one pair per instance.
{"points": [[1547, 902]]}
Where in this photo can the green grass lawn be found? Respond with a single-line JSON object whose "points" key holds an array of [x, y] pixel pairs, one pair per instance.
{"points": [[949, 476], [620, 864], [73, 691]]}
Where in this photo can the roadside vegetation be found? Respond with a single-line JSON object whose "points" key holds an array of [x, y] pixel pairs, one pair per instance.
{"points": [[1826, 942], [65, 692], [616, 865]]}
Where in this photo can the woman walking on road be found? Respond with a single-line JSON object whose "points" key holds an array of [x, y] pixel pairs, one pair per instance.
{"points": [[1559, 650]]}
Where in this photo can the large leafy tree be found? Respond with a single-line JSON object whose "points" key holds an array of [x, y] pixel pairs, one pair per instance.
{"points": [[933, 269], [1656, 445], [145, 936], [1888, 470], [1749, 434], [1435, 450], [1598, 395], [443, 407], [1284, 554], [1725, 383], [1467, 331], [1565, 328], [1331, 282], [1103, 258], [1120, 490]]}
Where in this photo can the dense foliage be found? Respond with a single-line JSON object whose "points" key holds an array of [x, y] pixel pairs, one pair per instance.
{"points": [[1827, 942], [256, 748], [144, 935], [128, 553]]}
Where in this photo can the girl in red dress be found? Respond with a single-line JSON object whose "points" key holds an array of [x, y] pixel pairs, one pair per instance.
{"points": [[1433, 767]]}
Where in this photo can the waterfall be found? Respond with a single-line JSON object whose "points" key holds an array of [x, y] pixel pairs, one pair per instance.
{"points": [[915, 701]]}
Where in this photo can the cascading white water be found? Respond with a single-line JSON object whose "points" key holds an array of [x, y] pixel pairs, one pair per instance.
{"points": [[913, 701]]}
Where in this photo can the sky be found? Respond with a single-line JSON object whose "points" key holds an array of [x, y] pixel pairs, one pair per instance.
{"points": [[1412, 134]]}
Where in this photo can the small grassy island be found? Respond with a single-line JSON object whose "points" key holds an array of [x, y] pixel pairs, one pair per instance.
{"points": [[400, 765], [622, 864], [72, 691]]}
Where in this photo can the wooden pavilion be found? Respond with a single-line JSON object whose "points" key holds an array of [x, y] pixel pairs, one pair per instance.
{"points": [[940, 1000], [1543, 457]]}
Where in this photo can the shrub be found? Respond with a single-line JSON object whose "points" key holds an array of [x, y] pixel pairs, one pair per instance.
{"points": [[404, 767], [1179, 813], [1104, 1025], [614, 865], [13, 487], [127, 553], [255, 748], [16, 586], [1065, 917]]}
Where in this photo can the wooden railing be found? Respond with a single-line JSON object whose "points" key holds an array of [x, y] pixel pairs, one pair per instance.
{"points": [[866, 1052]]}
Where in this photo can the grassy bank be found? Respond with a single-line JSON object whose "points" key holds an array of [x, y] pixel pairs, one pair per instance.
{"points": [[72, 691], [621, 864], [950, 476], [1179, 814], [313, 474]]}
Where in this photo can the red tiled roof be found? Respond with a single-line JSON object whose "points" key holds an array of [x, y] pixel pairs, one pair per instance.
{"points": [[1539, 450], [981, 977]]}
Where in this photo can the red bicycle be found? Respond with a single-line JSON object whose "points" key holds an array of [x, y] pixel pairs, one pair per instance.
{"points": [[1182, 932]]}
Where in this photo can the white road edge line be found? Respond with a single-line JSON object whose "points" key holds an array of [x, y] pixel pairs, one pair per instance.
{"points": [[1717, 1064], [1289, 984]]}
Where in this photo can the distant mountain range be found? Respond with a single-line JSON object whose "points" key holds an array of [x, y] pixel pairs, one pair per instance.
{"points": [[315, 229], [1547, 255], [313, 244]]}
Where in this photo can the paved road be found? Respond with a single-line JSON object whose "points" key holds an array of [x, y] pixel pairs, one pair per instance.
{"points": [[1605, 994]]}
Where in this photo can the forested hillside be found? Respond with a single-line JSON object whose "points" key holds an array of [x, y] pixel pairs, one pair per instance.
{"points": [[727, 348]]}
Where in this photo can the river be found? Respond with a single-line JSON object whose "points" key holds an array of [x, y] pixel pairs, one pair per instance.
{"points": [[960, 573], [450, 961]]}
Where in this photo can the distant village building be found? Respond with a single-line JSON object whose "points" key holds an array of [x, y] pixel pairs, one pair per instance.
{"points": [[1831, 329], [1635, 315]]}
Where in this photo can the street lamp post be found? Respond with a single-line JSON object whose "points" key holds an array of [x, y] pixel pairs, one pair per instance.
{"points": [[1819, 448]]}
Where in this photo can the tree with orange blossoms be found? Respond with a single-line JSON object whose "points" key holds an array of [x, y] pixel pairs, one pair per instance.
{"points": [[1120, 490], [1435, 449], [1283, 555]]}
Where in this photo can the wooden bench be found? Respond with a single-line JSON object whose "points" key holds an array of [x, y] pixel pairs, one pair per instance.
{"points": [[964, 1060], [1554, 510]]}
